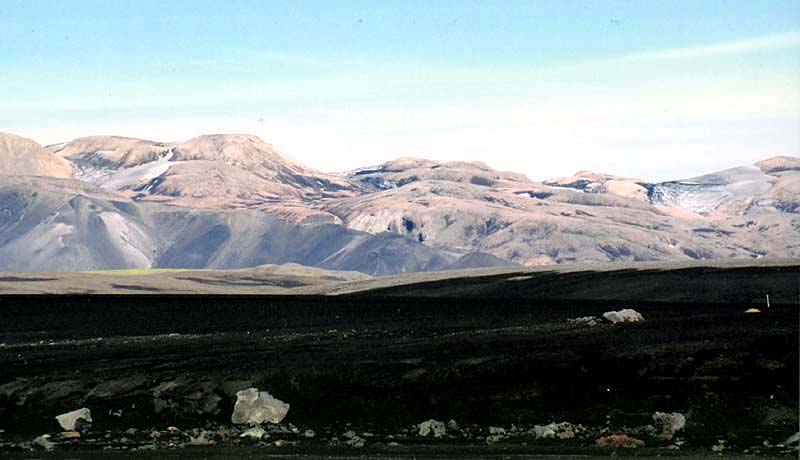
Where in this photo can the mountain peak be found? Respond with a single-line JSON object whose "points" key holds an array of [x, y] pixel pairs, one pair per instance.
{"points": [[405, 170], [20, 156], [779, 164], [110, 151], [242, 150], [598, 182]]}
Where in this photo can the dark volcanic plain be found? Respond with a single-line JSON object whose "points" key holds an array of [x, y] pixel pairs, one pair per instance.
{"points": [[493, 350]]}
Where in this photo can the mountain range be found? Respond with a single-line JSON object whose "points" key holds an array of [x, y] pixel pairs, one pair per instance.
{"points": [[233, 201]]}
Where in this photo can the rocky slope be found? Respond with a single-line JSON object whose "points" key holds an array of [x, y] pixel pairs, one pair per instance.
{"points": [[590, 217], [210, 171], [51, 224], [205, 202]]}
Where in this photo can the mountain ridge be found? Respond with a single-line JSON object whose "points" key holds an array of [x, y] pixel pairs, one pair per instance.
{"points": [[442, 211]]}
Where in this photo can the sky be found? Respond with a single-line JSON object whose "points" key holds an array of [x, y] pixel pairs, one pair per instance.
{"points": [[650, 89]]}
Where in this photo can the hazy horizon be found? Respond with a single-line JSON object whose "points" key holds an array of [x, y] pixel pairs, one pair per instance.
{"points": [[656, 91]]}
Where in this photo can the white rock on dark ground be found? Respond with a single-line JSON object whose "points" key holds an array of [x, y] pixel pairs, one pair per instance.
{"points": [[43, 442], [563, 430], [70, 420], [354, 440], [253, 433], [255, 407], [584, 321], [202, 439], [668, 424], [432, 427], [626, 315]]}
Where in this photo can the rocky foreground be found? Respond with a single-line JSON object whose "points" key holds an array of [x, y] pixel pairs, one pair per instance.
{"points": [[383, 374]]}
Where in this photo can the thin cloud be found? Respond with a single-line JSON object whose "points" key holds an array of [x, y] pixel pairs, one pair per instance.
{"points": [[762, 43]]}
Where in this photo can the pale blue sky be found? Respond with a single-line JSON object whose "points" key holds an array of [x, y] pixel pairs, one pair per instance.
{"points": [[644, 88]]}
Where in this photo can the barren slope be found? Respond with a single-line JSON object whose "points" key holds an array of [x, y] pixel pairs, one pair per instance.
{"points": [[586, 218], [23, 157], [211, 171], [65, 225], [453, 208]]}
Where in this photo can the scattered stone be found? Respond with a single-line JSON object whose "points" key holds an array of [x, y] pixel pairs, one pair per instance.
{"points": [[254, 433], [354, 440], [751, 311], [434, 427], [563, 430], [70, 421], [668, 424], [452, 425], [496, 434], [172, 429], [617, 441], [585, 321], [201, 439], [43, 442], [626, 315], [719, 447], [309, 434], [255, 407]]}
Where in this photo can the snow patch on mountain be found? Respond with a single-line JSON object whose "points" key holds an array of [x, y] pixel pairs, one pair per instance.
{"points": [[706, 193], [125, 178]]}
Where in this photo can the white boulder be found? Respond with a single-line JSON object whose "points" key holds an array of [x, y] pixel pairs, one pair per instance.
{"points": [[254, 407], [69, 420], [626, 315], [432, 427], [668, 424]]}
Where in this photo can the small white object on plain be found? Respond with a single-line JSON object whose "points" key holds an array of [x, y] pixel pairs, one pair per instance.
{"points": [[669, 423], [70, 419], [626, 315], [255, 433], [255, 407], [435, 427]]}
